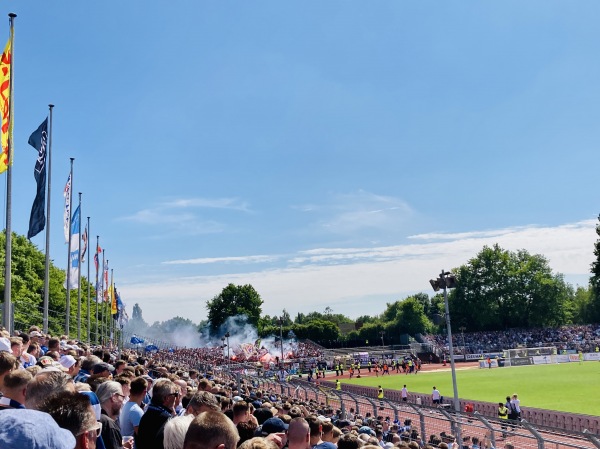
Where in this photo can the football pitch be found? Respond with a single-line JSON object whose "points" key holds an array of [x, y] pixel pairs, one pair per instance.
{"points": [[568, 387]]}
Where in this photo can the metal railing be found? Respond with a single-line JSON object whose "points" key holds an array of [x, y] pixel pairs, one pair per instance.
{"points": [[354, 401]]}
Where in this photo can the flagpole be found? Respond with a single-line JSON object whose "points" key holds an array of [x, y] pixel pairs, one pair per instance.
{"points": [[107, 306], [104, 332], [88, 281], [79, 274], [8, 312], [68, 302], [97, 286], [48, 196], [112, 298]]}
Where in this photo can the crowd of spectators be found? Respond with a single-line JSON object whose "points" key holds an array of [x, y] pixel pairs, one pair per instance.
{"points": [[248, 353], [583, 338], [60, 393]]}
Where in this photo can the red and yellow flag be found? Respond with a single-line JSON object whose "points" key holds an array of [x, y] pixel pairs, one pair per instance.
{"points": [[113, 297], [113, 300], [5, 106]]}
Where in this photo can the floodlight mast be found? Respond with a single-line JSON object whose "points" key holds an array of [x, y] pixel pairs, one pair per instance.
{"points": [[446, 281]]}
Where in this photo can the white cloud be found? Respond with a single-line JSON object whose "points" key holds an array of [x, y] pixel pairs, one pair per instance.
{"points": [[177, 217], [208, 260], [166, 211], [361, 210], [213, 203], [358, 281]]}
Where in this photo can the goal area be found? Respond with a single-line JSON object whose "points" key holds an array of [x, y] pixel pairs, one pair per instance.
{"points": [[530, 356]]}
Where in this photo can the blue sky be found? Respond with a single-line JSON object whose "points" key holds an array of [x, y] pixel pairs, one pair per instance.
{"points": [[329, 153]]}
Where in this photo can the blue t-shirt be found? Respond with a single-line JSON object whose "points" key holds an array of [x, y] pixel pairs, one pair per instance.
{"points": [[325, 445], [130, 417]]}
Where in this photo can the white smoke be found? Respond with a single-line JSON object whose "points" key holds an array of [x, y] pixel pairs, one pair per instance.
{"points": [[240, 332]]}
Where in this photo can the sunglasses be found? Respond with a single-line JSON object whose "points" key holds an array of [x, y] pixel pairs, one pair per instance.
{"points": [[175, 394], [97, 429]]}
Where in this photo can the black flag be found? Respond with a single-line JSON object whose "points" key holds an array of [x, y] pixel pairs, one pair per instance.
{"points": [[37, 219]]}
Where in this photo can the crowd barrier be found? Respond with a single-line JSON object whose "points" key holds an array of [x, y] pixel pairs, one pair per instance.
{"points": [[539, 428]]}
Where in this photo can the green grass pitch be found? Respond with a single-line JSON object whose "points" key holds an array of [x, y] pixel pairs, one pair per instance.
{"points": [[568, 387]]}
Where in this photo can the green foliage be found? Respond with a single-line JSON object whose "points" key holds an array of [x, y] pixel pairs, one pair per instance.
{"points": [[318, 330], [170, 326], [582, 299], [411, 318], [407, 316], [362, 320], [372, 332], [499, 289], [27, 291], [593, 309], [234, 300]]}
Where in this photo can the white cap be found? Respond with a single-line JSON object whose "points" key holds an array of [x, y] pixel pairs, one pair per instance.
{"points": [[67, 361], [5, 344]]}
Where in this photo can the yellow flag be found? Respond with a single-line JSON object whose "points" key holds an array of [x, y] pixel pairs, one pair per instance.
{"points": [[113, 301], [5, 106]]}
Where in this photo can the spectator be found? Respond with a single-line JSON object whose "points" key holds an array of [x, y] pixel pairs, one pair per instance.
{"points": [[20, 429], [327, 427], [298, 434], [73, 412], [8, 362], [110, 395], [132, 412], [161, 409], [15, 389], [209, 430], [45, 384], [246, 430], [119, 367], [316, 431], [175, 430], [86, 367], [69, 363], [350, 441], [102, 370], [241, 412], [259, 443], [202, 401]]}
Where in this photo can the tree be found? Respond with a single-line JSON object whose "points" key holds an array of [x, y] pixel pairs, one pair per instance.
{"points": [[317, 330], [500, 289], [582, 304], [136, 324], [594, 306], [27, 292], [176, 323], [234, 300], [371, 331], [411, 317], [364, 319], [137, 319], [426, 302], [287, 319]]}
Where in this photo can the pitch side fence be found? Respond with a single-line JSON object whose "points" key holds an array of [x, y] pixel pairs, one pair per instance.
{"points": [[539, 429]]}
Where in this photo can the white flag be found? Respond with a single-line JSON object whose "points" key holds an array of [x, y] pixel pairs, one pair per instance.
{"points": [[73, 281]]}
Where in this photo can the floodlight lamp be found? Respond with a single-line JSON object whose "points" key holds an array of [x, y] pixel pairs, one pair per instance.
{"points": [[435, 285], [451, 281]]}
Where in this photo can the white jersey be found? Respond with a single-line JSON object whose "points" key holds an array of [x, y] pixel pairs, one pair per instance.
{"points": [[435, 395], [404, 392]]}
